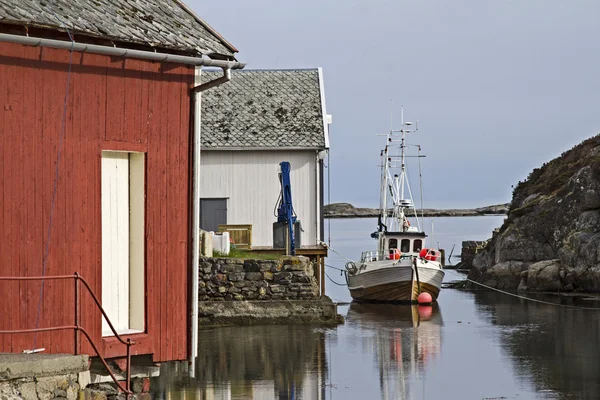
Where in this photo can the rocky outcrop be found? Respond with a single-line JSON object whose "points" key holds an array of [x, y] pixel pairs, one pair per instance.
{"points": [[346, 210], [551, 238]]}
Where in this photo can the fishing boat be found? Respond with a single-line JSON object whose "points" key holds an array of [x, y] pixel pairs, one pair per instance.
{"points": [[402, 267]]}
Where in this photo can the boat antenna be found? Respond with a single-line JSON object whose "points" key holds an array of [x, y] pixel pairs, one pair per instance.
{"points": [[421, 185]]}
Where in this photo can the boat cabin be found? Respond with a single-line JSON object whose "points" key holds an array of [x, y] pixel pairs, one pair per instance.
{"points": [[403, 243], [398, 245]]}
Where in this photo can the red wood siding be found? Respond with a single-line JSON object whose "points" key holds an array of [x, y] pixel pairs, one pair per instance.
{"points": [[113, 104]]}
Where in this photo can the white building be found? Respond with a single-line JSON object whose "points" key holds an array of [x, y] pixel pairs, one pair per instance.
{"points": [[251, 124]]}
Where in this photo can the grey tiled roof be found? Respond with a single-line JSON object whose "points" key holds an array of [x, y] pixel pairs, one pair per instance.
{"points": [[159, 23], [263, 109]]}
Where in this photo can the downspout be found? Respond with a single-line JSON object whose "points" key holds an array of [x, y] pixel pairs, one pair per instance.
{"points": [[197, 108]]}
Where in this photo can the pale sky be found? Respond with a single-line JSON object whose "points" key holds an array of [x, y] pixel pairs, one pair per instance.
{"points": [[498, 87]]}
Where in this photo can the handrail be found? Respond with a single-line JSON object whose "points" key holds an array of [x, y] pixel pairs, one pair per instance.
{"points": [[127, 390]]}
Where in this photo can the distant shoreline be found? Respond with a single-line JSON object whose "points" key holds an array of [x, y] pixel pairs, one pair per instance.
{"points": [[346, 210]]}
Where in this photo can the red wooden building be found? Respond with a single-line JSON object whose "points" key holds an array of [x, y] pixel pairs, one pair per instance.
{"points": [[96, 164]]}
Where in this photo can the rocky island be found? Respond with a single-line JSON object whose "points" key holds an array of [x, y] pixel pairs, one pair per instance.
{"points": [[346, 210], [550, 241]]}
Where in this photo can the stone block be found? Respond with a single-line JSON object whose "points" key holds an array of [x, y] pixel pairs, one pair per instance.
{"points": [[73, 391], [253, 276], [251, 266], [281, 275], [262, 284], [277, 296], [301, 279], [222, 289], [277, 289], [239, 297], [233, 290], [266, 266], [262, 291], [229, 268], [267, 276], [218, 279], [60, 393], [276, 268], [236, 276], [28, 391], [251, 295], [285, 282], [45, 387], [240, 284]]}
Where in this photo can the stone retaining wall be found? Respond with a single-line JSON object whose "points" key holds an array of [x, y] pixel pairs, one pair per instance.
{"points": [[230, 279]]}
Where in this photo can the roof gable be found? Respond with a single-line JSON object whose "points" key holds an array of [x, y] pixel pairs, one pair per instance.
{"points": [[165, 24], [264, 109]]}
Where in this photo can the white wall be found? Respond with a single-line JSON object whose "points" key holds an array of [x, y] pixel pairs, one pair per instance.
{"points": [[250, 181]]}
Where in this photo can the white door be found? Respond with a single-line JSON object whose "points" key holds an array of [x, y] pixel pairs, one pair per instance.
{"points": [[122, 241]]}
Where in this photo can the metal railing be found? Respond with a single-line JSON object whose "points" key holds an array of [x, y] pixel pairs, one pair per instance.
{"points": [[368, 256], [76, 327]]}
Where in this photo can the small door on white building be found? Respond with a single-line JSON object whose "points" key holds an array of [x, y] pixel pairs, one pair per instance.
{"points": [[123, 195], [213, 212]]}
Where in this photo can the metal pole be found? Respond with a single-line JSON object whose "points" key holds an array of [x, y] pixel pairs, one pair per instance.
{"points": [[76, 313], [128, 367]]}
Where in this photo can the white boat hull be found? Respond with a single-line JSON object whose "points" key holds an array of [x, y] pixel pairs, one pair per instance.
{"points": [[389, 281]]}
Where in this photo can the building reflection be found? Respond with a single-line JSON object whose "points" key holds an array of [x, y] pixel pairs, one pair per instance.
{"points": [[254, 362], [406, 339]]}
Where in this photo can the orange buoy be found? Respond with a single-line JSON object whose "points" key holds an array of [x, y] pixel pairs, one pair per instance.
{"points": [[396, 255], [424, 298], [423, 253]]}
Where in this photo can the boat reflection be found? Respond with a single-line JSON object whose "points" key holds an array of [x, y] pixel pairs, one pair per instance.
{"points": [[406, 339], [251, 362]]}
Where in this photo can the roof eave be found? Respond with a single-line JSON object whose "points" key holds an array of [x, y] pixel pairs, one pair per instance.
{"points": [[207, 26], [319, 148]]}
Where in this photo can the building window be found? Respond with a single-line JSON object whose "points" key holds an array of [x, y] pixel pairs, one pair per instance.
{"points": [[393, 244]]}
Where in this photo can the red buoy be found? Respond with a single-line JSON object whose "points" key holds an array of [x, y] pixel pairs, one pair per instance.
{"points": [[425, 312], [424, 298], [423, 253]]}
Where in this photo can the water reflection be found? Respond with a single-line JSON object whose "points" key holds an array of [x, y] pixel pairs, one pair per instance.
{"points": [[405, 340], [554, 348], [253, 362]]}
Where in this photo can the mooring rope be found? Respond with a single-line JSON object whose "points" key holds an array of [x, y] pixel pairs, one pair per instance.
{"points": [[339, 284], [521, 296]]}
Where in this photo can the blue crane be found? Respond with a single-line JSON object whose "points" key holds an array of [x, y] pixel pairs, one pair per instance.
{"points": [[285, 210]]}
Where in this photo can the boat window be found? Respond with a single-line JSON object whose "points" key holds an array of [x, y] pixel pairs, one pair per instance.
{"points": [[393, 244], [405, 245], [417, 245]]}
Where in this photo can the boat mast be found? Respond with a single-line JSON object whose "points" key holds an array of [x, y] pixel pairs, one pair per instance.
{"points": [[403, 168]]}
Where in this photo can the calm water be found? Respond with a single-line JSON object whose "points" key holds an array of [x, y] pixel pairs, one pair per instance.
{"points": [[474, 345]]}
